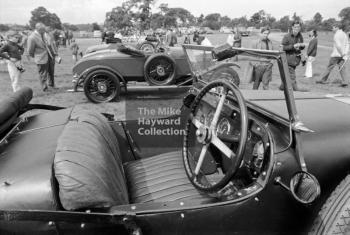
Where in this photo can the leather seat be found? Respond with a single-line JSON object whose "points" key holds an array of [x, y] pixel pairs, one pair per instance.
{"points": [[90, 174], [161, 178]]}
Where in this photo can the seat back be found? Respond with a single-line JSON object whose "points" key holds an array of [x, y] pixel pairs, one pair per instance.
{"points": [[11, 106], [88, 164]]}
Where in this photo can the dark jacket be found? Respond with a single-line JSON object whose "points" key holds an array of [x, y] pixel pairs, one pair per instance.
{"points": [[13, 51], [312, 48], [293, 55]]}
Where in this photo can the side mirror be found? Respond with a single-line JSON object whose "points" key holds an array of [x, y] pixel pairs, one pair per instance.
{"points": [[305, 187]]}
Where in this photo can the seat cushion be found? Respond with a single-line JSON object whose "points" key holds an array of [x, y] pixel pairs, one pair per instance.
{"points": [[161, 178], [87, 165]]}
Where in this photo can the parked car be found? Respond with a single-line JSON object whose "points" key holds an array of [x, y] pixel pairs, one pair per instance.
{"points": [[104, 72], [227, 161]]}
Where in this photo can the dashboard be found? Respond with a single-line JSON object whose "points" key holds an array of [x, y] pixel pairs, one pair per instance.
{"points": [[229, 130]]}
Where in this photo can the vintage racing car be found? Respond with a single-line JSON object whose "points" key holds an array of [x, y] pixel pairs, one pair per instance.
{"points": [[226, 161], [104, 72]]}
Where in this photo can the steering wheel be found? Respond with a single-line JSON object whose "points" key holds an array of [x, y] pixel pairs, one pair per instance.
{"points": [[206, 137]]}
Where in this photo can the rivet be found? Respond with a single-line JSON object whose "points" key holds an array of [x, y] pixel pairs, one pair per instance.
{"points": [[264, 173], [256, 199], [88, 211], [181, 203], [133, 207], [51, 223], [182, 215], [279, 163], [82, 225], [267, 144], [239, 194], [258, 128]]}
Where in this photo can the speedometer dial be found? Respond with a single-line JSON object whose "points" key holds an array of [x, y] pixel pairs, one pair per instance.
{"points": [[224, 126]]}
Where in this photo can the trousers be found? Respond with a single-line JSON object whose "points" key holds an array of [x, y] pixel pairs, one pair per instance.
{"points": [[15, 75], [308, 70], [332, 63]]}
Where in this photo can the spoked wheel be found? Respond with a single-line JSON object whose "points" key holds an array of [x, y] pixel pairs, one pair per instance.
{"points": [[202, 139], [159, 70], [226, 73], [147, 47], [101, 86]]}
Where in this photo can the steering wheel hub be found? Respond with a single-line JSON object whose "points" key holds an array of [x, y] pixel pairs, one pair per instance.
{"points": [[203, 135]]}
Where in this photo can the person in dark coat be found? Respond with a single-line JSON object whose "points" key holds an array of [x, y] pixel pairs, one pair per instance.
{"points": [[311, 53], [293, 44]]}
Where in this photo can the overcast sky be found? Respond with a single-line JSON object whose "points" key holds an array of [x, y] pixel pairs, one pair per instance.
{"points": [[89, 11]]}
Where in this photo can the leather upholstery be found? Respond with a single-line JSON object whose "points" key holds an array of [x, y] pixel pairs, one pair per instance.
{"points": [[161, 178], [88, 165], [12, 105]]}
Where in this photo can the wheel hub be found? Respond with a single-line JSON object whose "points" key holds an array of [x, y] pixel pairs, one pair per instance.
{"points": [[203, 135], [160, 70], [102, 87]]}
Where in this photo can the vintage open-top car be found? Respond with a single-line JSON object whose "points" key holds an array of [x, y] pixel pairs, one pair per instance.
{"points": [[226, 161], [104, 72]]}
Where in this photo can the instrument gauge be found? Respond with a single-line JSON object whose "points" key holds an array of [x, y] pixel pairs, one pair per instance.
{"points": [[224, 126]]}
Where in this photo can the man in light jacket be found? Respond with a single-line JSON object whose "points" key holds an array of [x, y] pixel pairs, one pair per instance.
{"points": [[37, 49], [338, 56]]}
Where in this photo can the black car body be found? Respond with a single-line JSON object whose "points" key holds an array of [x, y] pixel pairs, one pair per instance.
{"points": [[69, 171]]}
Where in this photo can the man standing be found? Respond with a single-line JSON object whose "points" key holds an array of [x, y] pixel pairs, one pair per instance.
{"points": [[262, 70], [52, 51], [37, 49], [311, 53], [293, 44], [12, 51], [170, 38], [338, 56]]}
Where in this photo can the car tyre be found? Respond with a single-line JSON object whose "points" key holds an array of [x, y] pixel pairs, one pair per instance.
{"points": [[160, 70], [147, 47], [101, 86], [334, 216], [226, 73]]}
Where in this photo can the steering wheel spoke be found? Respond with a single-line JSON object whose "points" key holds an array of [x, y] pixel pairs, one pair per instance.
{"points": [[197, 123], [201, 159], [222, 147], [218, 110]]}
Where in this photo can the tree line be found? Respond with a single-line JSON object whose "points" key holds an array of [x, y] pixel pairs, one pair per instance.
{"points": [[137, 14]]}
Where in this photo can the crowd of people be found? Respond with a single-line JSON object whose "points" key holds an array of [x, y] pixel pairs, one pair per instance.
{"points": [[293, 44], [41, 46]]}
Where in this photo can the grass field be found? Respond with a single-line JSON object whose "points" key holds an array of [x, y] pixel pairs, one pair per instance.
{"points": [[63, 72]]}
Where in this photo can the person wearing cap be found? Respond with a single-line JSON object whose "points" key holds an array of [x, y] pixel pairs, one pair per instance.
{"points": [[293, 44], [311, 53], [262, 70], [338, 56], [38, 49], [12, 51]]}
